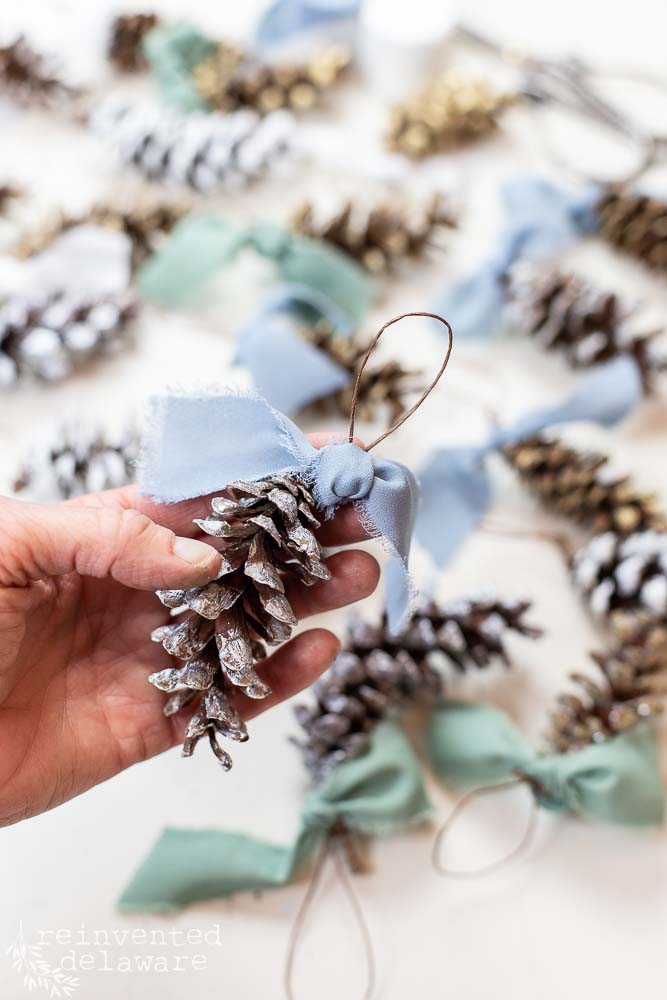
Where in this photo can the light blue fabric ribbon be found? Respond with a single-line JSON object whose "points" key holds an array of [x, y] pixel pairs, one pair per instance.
{"points": [[455, 488], [539, 218], [285, 18], [195, 445]]}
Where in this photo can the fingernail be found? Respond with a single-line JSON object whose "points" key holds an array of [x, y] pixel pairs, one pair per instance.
{"points": [[196, 553]]}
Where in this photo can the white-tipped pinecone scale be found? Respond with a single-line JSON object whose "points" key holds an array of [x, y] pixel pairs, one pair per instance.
{"points": [[627, 574]]}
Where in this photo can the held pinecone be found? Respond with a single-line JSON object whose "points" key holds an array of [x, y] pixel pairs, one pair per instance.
{"points": [[78, 461], [448, 113], [635, 223], [228, 80], [577, 485], [268, 530], [565, 313], [386, 384], [202, 151], [48, 337], [378, 673], [627, 574], [26, 76], [126, 44], [630, 689], [378, 237]]}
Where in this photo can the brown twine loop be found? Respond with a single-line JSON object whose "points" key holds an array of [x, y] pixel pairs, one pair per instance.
{"points": [[446, 828], [333, 847], [408, 413]]}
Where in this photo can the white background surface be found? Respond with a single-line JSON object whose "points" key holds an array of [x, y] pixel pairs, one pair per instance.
{"points": [[584, 914]]}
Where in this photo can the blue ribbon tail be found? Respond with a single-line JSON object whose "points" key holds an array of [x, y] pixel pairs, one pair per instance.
{"points": [[473, 305], [285, 18]]}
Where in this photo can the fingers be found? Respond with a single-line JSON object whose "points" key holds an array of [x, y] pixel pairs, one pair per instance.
{"points": [[354, 575], [40, 540]]}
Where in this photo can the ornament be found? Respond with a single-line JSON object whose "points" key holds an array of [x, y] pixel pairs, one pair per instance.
{"points": [[128, 32], [627, 573], [27, 78]]}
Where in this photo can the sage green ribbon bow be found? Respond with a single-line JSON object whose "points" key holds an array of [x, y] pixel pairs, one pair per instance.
{"points": [[617, 781], [173, 51], [201, 245], [377, 793]]}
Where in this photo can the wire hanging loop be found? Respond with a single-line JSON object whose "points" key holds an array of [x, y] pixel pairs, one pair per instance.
{"points": [[426, 392], [461, 805]]}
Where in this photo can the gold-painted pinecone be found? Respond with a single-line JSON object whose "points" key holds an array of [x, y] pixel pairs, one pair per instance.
{"points": [[635, 223], [450, 112], [267, 529], [126, 44], [575, 484]]}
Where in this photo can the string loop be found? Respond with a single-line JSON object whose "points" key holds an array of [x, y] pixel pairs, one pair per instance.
{"points": [[427, 391]]}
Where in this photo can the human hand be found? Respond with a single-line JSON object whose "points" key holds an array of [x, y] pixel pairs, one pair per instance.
{"points": [[76, 611]]}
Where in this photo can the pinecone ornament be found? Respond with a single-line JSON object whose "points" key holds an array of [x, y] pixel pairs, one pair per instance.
{"points": [[26, 76], [229, 79], [565, 313], [267, 529], [378, 673], [126, 44], [378, 237], [48, 337], [79, 460], [450, 112], [635, 223], [577, 485], [627, 574], [201, 151]]}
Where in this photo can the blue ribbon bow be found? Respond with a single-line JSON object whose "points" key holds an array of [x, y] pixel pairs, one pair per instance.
{"points": [[285, 18]]}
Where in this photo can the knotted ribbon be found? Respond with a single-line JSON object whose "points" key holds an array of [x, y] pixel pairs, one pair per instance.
{"points": [[172, 51], [539, 219], [378, 793], [201, 246], [456, 492], [285, 18], [617, 781]]}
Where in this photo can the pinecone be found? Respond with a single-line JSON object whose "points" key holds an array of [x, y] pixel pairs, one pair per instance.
{"points": [[202, 151], [627, 574], [566, 313], [7, 194], [79, 460], [268, 530], [228, 80], [448, 113], [382, 385], [126, 44], [577, 485], [632, 685], [50, 336], [377, 673], [26, 76], [635, 223], [377, 237]]}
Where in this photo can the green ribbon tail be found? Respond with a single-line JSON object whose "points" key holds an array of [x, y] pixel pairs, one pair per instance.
{"points": [[172, 52]]}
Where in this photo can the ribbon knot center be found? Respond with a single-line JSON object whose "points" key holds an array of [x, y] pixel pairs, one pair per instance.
{"points": [[344, 472]]}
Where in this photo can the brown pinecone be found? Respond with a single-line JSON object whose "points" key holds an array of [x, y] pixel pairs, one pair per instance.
{"points": [[26, 76], [7, 194], [377, 672], [635, 223], [377, 237], [627, 574], [267, 528], [631, 688], [126, 44], [228, 80], [565, 313], [384, 384], [576, 484], [448, 113]]}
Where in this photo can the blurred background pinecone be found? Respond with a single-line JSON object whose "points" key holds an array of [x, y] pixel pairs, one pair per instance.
{"points": [[26, 76], [635, 223], [628, 574], [268, 530], [8, 193], [577, 485], [126, 43], [377, 672]]}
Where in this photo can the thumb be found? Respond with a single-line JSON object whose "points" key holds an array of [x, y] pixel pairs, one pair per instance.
{"points": [[40, 540]]}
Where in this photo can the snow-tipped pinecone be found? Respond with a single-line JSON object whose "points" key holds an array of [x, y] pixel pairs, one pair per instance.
{"points": [[566, 313], [627, 574], [79, 460], [126, 43], [630, 689], [577, 485], [635, 223], [202, 151], [377, 673], [448, 113], [49, 336], [268, 530], [385, 384], [228, 80], [378, 237], [26, 76]]}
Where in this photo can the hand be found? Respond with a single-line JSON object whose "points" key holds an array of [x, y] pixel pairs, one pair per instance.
{"points": [[76, 611]]}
